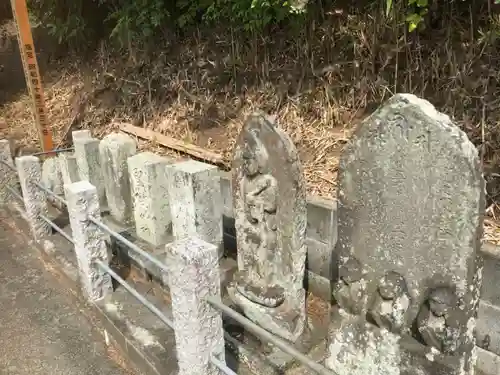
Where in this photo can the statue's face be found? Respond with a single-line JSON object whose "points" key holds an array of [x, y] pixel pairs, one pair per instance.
{"points": [[391, 286], [351, 271], [250, 164], [440, 301], [439, 309]]}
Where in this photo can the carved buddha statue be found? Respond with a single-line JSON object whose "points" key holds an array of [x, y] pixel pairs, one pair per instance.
{"points": [[391, 302], [434, 320], [260, 195], [349, 290]]}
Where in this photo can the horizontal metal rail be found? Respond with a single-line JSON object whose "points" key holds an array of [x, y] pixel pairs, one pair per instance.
{"points": [[10, 165], [281, 344], [221, 366], [15, 193], [131, 245], [51, 193], [136, 294], [57, 228], [57, 150]]}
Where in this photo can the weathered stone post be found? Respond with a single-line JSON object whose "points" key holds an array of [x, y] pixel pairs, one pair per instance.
{"points": [[6, 173], [149, 185], [81, 134], [89, 240], [69, 168], [196, 202], [193, 272], [114, 150], [52, 178], [89, 164], [35, 200]]}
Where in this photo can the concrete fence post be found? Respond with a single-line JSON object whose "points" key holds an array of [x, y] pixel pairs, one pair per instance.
{"points": [[89, 240], [114, 151], [149, 185], [196, 202], [29, 170], [89, 164], [193, 271], [69, 168], [7, 176]]}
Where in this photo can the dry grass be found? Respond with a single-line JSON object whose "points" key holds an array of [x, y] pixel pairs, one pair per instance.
{"points": [[319, 82]]}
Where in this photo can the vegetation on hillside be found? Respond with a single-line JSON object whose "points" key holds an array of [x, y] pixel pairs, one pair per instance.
{"points": [[193, 69]]}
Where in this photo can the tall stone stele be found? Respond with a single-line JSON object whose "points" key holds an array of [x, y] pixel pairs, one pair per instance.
{"points": [[270, 213], [410, 207]]}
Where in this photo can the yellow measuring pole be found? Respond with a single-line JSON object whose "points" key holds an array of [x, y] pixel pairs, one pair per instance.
{"points": [[31, 72]]}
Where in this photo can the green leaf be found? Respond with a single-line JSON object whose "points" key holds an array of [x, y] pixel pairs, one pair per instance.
{"points": [[388, 7], [422, 3]]}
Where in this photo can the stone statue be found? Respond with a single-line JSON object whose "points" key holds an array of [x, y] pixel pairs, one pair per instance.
{"points": [[260, 195], [435, 320], [270, 221], [349, 291], [391, 302], [410, 204]]}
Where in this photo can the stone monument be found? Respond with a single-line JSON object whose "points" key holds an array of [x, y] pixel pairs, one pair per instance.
{"points": [[410, 206], [270, 220]]}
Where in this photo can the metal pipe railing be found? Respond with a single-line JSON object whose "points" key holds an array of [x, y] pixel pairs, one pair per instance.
{"points": [[281, 344], [135, 293], [57, 228], [15, 193], [221, 366], [10, 165], [131, 245], [51, 193], [57, 150]]}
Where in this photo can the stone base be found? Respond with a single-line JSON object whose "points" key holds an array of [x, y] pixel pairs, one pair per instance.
{"points": [[287, 320], [261, 357], [357, 347]]}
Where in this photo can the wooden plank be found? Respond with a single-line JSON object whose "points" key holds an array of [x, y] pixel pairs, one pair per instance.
{"points": [[174, 144], [32, 72]]}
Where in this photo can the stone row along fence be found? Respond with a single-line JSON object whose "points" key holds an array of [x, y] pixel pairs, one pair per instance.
{"points": [[400, 256]]}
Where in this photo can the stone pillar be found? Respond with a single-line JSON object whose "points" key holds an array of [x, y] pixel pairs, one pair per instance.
{"points": [[196, 202], [114, 150], [149, 185], [7, 175], [89, 165], [90, 244], [52, 178], [69, 168], [81, 134], [193, 270], [35, 200]]}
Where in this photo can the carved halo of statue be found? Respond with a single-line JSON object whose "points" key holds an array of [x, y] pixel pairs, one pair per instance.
{"points": [[390, 303], [435, 320], [349, 290]]}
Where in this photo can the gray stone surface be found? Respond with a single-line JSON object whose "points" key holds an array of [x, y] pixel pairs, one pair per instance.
{"points": [[149, 186], [89, 165], [193, 272], [410, 206], [69, 168], [270, 219], [81, 134], [42, 328], [114, 150], [7, 176], [52, 177], [35, 200], [89, 240], [196, 201]]}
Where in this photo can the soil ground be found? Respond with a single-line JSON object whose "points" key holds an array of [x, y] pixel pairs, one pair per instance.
{"points": [[319, 84]]}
